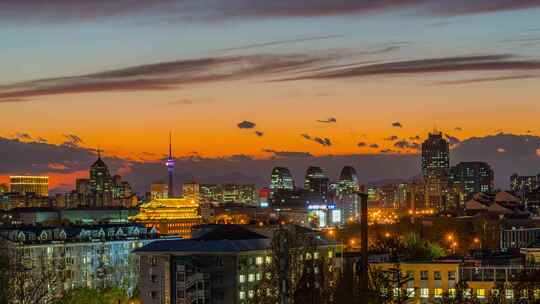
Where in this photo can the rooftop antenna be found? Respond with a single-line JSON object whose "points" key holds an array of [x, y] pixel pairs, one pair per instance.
{"points": [[170, 144], [98, 152]]}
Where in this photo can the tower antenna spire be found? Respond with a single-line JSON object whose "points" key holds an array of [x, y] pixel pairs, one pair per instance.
{"points": [[170, 144], [98, 152]]}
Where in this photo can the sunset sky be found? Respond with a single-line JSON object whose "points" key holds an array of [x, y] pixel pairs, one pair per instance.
{"points": [[316, 76]]}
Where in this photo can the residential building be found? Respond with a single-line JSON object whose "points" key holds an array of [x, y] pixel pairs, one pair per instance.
{"points": [[94, 256], [430, 281], [221, 264], [467, 178], [517, 237]]}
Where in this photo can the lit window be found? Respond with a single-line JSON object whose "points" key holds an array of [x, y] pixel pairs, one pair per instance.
{"points": [[251, 277], [251, 293], [481, 293], [410, 292], [424, 293], [242, 295], [308, 256], [242, 278], [509, 294], [258, 276], [330, 254], [467, 293], [397, 292], [268, 260], [537, 294], [438, 293], [452, 292], [259, 260]]}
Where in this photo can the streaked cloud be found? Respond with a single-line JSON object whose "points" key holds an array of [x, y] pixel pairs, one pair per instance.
{"points": [[162, 76], [397, 124], [328, 120], [323, 141], [493, 63], [60, 11], [288, 153]]}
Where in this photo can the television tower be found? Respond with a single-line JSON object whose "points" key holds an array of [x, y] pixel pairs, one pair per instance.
{"points": [[170, 168]]}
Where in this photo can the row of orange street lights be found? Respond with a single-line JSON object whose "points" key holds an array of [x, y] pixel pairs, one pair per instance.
{"points": [[453, 242]]}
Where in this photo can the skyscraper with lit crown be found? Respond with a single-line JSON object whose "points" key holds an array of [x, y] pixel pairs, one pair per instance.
{"points": [[435, 167]]}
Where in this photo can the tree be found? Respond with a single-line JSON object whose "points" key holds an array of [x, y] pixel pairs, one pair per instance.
{"points": [[94, 296], [36, 279], [297, 273], [4, 274], [389, 286]]}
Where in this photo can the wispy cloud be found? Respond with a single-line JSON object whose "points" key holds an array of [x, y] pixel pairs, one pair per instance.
{"points": [[328, 120], [503, 62], [61, 11], [279, 42], [162, 76], [487, 79], [397, 124], [288, 153]]}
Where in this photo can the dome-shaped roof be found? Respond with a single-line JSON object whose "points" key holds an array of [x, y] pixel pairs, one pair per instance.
{"points": [[348, 173]]}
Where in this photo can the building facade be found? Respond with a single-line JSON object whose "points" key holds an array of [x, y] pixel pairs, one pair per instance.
{"points": [[37, 185], [466, 179], [346, 194], [223, 266], [93, 256], [435, 167], [316, 181], [171, 216]]}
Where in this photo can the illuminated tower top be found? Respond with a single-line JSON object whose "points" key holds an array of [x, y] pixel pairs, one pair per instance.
{"points": [[170, 167]]}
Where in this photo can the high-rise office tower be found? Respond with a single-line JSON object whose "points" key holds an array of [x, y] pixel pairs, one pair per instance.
{"points": [[38, 185], [190, 191], [466, 179], [316, 181], [100, 183], [346, 194], [170, 168], [435, 166], [281, 179]]}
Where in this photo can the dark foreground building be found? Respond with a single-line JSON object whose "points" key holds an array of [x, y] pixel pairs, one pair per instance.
{"points": [[224, 264]]}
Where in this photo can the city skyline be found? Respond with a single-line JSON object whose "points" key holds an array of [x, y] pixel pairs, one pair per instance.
{"points": [[428, 55], [434, 64]]}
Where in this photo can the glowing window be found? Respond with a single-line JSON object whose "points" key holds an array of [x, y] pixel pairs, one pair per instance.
{"points": [[424, 293], [241, 278]]}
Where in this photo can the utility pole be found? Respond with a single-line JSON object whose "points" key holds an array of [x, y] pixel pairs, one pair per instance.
{"points": [[364, 271]]}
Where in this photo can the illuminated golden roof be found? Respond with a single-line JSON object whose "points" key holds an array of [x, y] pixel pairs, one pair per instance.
{"points": [[168, 209]]}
